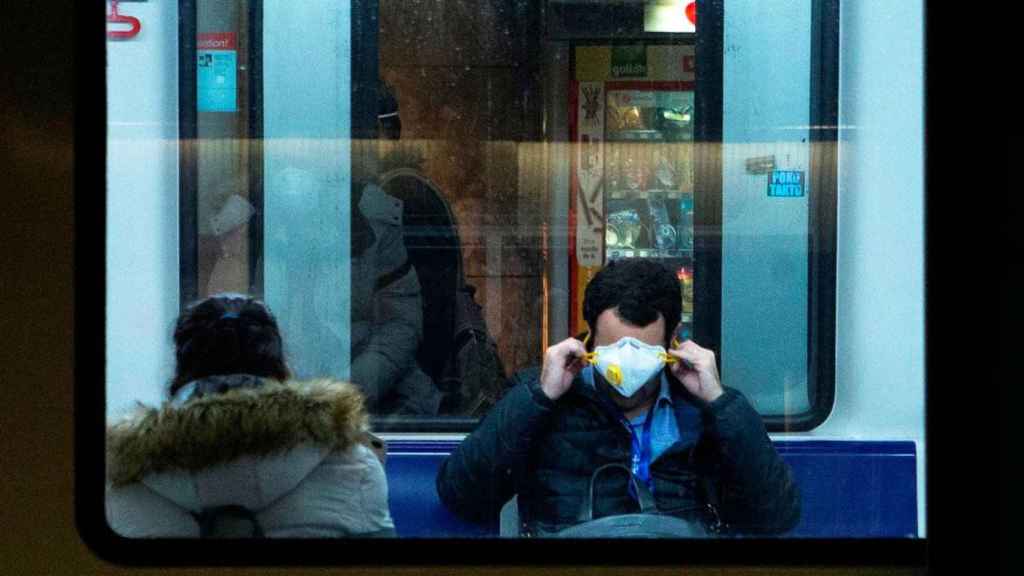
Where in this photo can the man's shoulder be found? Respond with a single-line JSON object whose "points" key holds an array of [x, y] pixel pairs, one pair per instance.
{"points": [[679, 392], [527, 381], [380, 207], [525, 376]]}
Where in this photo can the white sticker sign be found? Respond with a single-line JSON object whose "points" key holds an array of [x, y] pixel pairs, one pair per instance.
{"points": [[216, 72], [590, 174]]}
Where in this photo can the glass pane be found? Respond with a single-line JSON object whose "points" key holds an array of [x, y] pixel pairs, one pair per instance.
{"points": [[224, 202], [398, 180], [142, 175], [307, 116], [765, 160], [464, 81]]}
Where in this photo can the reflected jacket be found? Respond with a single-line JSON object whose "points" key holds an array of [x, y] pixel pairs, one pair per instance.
{"points": [[387, 311], [724, 471], [293, 454]]}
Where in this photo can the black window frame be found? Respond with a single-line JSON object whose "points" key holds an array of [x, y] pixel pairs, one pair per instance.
{"points": [[822, 181], [188, 132], [90, 220]]}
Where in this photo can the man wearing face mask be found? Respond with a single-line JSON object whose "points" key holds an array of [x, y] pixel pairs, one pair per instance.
{"points": [[632, 396]]}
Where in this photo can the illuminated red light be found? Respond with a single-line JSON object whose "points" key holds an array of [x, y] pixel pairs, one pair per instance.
{"points": [[691, 12]]}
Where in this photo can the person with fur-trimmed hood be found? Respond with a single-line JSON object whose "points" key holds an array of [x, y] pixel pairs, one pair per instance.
{"points": [[239, 449]]}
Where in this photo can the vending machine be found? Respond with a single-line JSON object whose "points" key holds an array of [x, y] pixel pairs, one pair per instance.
{"points": [[631, 118]]}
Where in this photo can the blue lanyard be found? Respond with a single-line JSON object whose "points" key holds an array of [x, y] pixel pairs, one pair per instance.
{"points": [[640, 463], [641, 458]]}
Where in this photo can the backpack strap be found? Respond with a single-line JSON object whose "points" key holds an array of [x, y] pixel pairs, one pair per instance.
{"points": [[712, 502], [644, 497], [407, 172], [393, 276]]}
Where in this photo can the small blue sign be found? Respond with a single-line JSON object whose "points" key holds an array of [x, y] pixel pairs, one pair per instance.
{"points": [[217, 71], [786, 184]]}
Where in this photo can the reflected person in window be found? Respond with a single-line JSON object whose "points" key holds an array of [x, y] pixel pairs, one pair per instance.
{"points": [[456, 351], [240, 449], [630, 395], [387, 305]]}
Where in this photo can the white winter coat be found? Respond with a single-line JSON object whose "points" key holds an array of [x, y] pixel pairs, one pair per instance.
{"points": [[293, 454]]}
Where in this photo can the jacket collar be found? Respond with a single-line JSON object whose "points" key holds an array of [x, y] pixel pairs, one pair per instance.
{"points": [[214, 385], [244, 421], [688, 409]]}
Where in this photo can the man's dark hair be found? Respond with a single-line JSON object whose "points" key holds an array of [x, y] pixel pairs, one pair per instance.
{"points": [[640, 289], [227, 334]]}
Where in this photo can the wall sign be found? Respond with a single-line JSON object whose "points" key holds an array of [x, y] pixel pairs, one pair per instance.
{"points": [[217, 72], [629, 61], [670, 16], [786, 183], [589, 174], [657, 63]]}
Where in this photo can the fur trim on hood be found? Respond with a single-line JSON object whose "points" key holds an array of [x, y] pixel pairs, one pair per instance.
{"points": [[216, 429]]}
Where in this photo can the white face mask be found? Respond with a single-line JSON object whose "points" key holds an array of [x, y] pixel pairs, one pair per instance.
{"points": [[628, 364]]}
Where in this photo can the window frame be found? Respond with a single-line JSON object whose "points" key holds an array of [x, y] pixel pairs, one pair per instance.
{"points": [[188, 131], [822, 178]]}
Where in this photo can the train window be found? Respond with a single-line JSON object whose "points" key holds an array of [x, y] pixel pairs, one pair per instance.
{"points": [[420, 195], [778, 207]]}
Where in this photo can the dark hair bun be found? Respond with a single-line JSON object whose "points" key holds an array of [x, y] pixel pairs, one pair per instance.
{"points": [[227, 334]]}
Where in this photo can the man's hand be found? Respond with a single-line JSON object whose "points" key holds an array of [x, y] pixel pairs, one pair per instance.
{"points": [[697, 370], [562, 362]]}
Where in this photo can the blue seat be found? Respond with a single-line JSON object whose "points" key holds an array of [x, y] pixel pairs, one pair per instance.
{"points": [[848, 489]]}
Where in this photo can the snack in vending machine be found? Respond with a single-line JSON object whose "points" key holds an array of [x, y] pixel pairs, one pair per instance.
{"points": [[623, 230], [633, 170], [632, 118], [664, 232], [613, 174], [664, 171], [685, 276], [684, 234]]}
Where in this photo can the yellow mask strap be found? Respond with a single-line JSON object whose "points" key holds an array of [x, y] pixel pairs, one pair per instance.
{"points": [[668, 358], [589, 357]]}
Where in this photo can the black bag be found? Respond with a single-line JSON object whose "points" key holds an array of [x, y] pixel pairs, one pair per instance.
{"points": [[457, 352], [648, 523], [473, 378]]}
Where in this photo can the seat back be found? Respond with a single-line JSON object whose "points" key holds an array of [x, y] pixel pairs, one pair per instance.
{"points": [[508, 519]]}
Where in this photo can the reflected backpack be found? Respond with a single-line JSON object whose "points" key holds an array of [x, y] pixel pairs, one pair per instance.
{"points": [[457, 352]]}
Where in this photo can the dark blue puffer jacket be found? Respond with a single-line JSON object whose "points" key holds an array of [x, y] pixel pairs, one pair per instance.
{"points": [[546, 452]]}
